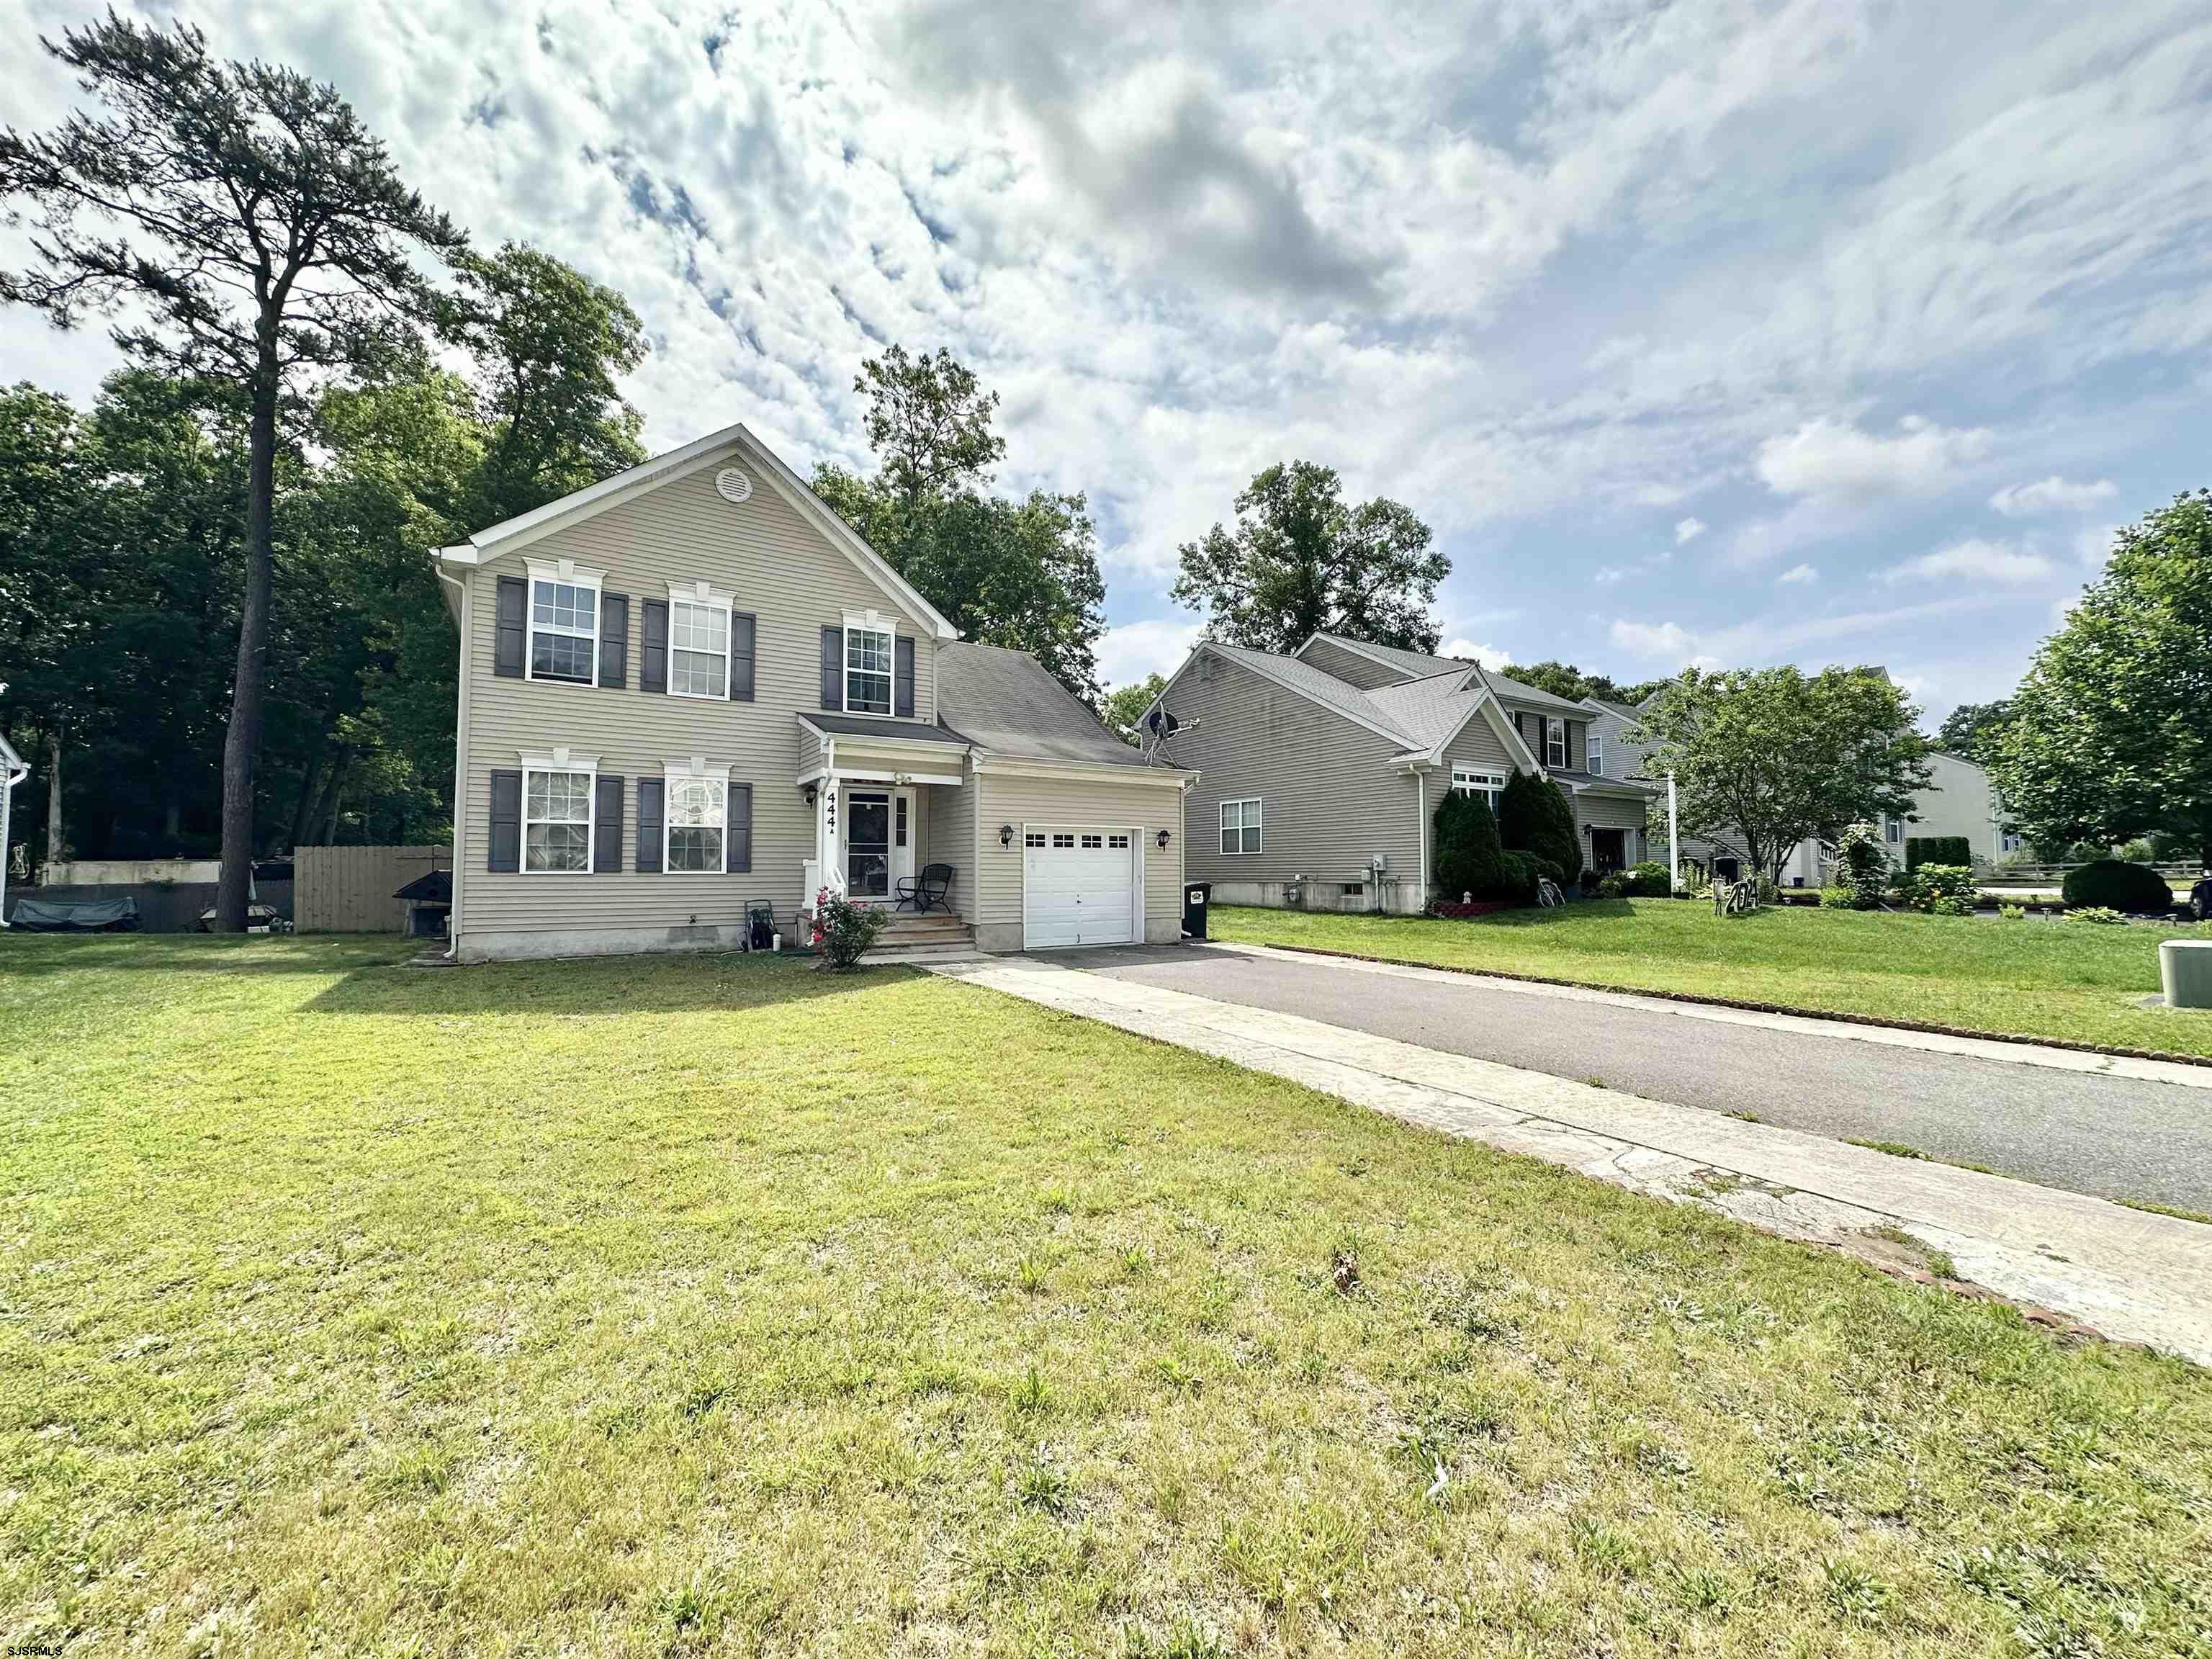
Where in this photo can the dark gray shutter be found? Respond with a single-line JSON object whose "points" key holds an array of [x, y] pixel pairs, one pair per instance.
{"points": [[606, 828], [652, 645], [741, 656], [503, 853], [614, 639], [833, 668], [904, 706], [738, 843], [510, 635], [648, 824]]}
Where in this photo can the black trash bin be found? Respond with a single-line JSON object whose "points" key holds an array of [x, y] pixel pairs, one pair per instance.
{"points": [[1195, 897]]}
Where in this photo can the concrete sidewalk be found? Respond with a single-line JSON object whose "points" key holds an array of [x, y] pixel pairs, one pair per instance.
{"points": [[2125, 1272]]}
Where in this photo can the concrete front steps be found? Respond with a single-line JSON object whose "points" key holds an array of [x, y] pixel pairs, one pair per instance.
{"points": [[922, 939]]}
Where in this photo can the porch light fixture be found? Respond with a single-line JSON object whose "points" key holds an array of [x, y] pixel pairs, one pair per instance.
{"points": [[1164, 840], [811, 792], [1005, 835]]}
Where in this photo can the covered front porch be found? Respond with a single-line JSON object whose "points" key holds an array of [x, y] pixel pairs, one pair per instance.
{"points": [[888, 800]]}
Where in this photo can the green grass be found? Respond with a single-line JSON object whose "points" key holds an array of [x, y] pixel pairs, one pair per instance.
{"points": [[2037, 979], [678, 1306]]}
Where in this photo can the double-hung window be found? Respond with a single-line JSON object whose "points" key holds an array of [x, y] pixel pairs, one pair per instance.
{"points": [[1467, 780], [1596, 762], [698, 819], [869, 654], [557, 819], [698, 642], [564, 625], [1555, 742], [1240, 825]]}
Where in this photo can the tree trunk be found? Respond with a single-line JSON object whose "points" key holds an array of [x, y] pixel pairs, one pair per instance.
{"points": [[241, 743], [55, 848]]}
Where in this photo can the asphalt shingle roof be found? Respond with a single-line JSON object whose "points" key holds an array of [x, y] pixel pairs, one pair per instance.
{"points": [[1421, 663], [1428, 710], [1005, 702], [1322, 687]]}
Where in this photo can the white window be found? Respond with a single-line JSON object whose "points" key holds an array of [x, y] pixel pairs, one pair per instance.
{"points": [[1490, 786], [870, 651], [1895, 828], [1240, 826], [564, 623], [1596, 762], [557, 819], [1120, 843], [1033, 838], [1063, 842], [1555, 742], [697, 819], [699, 646]]}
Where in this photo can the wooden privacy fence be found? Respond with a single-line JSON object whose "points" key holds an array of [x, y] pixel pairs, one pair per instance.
{"points": [[348, 889]]}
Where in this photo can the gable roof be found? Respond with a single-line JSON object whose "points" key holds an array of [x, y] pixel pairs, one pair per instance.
{"points": [[1419, 665], [1426, 708], [580, 505], [1315, 685], [1005, 701]]}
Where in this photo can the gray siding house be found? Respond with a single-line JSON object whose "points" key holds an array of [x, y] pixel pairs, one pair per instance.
{"points": [[1318, 773], [691, 688]]}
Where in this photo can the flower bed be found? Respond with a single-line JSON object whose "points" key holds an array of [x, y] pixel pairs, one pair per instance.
{"points": [[1477, 908]]}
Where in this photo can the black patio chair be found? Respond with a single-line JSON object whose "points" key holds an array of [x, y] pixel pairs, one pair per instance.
{"points": [[926, 892]]}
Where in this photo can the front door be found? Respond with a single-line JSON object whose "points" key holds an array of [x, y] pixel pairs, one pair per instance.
{"points": [[879, 831], [1609, 850]]}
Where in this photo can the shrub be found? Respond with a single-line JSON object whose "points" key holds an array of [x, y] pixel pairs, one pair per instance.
{"points": [[1533, 816], [2137, 851], [2097, 915], [2012, 912], [1936, 849], [1613, 886], [1838, 898], [1862, 865], [1466, 850], [1649, 880], [1943, 890], [843, 931], [1517, 883], [2111, 884], [1550, 872]]}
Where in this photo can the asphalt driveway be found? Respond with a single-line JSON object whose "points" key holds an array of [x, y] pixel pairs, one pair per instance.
{"points": [[2115, 1137]]}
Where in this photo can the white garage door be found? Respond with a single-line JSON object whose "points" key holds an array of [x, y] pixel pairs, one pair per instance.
{"points": [[1079, 887]]}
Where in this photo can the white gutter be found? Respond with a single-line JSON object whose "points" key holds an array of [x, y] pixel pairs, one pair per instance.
{"points": [[13, 774]]}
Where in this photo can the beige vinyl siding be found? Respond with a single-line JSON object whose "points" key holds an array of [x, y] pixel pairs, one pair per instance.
{"points": [[1350, 666], [1616, 812], [776, 566], [1149, 808], [1478, 745], [1331, 796], [951, 840]]}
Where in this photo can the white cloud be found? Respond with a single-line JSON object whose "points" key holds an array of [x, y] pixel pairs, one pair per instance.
{"points": [[2094, 547], [1607, 575], [1826, 458], [2050, 494], [1687, 531], [1975, 559], [1667, 640], [1798, 575], [1127, 654], [1470, 651]]}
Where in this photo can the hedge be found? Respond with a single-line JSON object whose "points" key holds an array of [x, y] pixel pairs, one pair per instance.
{"points": [[2110, 884], [1937, 850]]}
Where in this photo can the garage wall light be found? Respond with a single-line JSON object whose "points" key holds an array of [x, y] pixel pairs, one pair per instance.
{"points": [[1164, 840], [1005, 835]]}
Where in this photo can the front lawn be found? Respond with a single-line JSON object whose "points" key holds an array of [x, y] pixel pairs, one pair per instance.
{"points": [[2070, 981], [670, 1306]]}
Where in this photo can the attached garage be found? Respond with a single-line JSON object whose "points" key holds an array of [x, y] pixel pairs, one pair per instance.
{"points": [[1081, 885]]}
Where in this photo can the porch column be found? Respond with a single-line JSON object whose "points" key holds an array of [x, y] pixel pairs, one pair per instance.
{"points": [[828, 810]]}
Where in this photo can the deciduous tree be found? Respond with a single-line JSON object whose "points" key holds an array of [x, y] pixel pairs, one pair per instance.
{"points": [[1774, 755], [1125, 704], [1301, 561], [2112, 733]]}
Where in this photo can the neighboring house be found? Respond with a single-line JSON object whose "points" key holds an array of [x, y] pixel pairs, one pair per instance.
{"points": [[1319, 773], [691, 688]]}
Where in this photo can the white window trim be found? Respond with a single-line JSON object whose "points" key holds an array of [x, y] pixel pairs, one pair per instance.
{"points": [[1258, 822], [1551, 721], [574, 576], [560, 760], [1594, 761], [1473, 780], [672, 772], [699, 593], [873, 622]]}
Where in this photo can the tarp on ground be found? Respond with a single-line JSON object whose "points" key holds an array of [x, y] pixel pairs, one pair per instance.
{"points": [[91, 916]]}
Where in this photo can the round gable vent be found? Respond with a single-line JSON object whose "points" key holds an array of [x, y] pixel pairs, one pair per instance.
{"points": [[733, 485]]}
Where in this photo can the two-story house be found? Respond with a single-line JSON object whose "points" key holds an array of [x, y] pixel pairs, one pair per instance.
{"points": [[692, 688], [1319, 773]]}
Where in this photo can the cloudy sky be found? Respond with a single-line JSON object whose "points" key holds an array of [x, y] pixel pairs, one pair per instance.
{"points": [[1807, 330]]}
